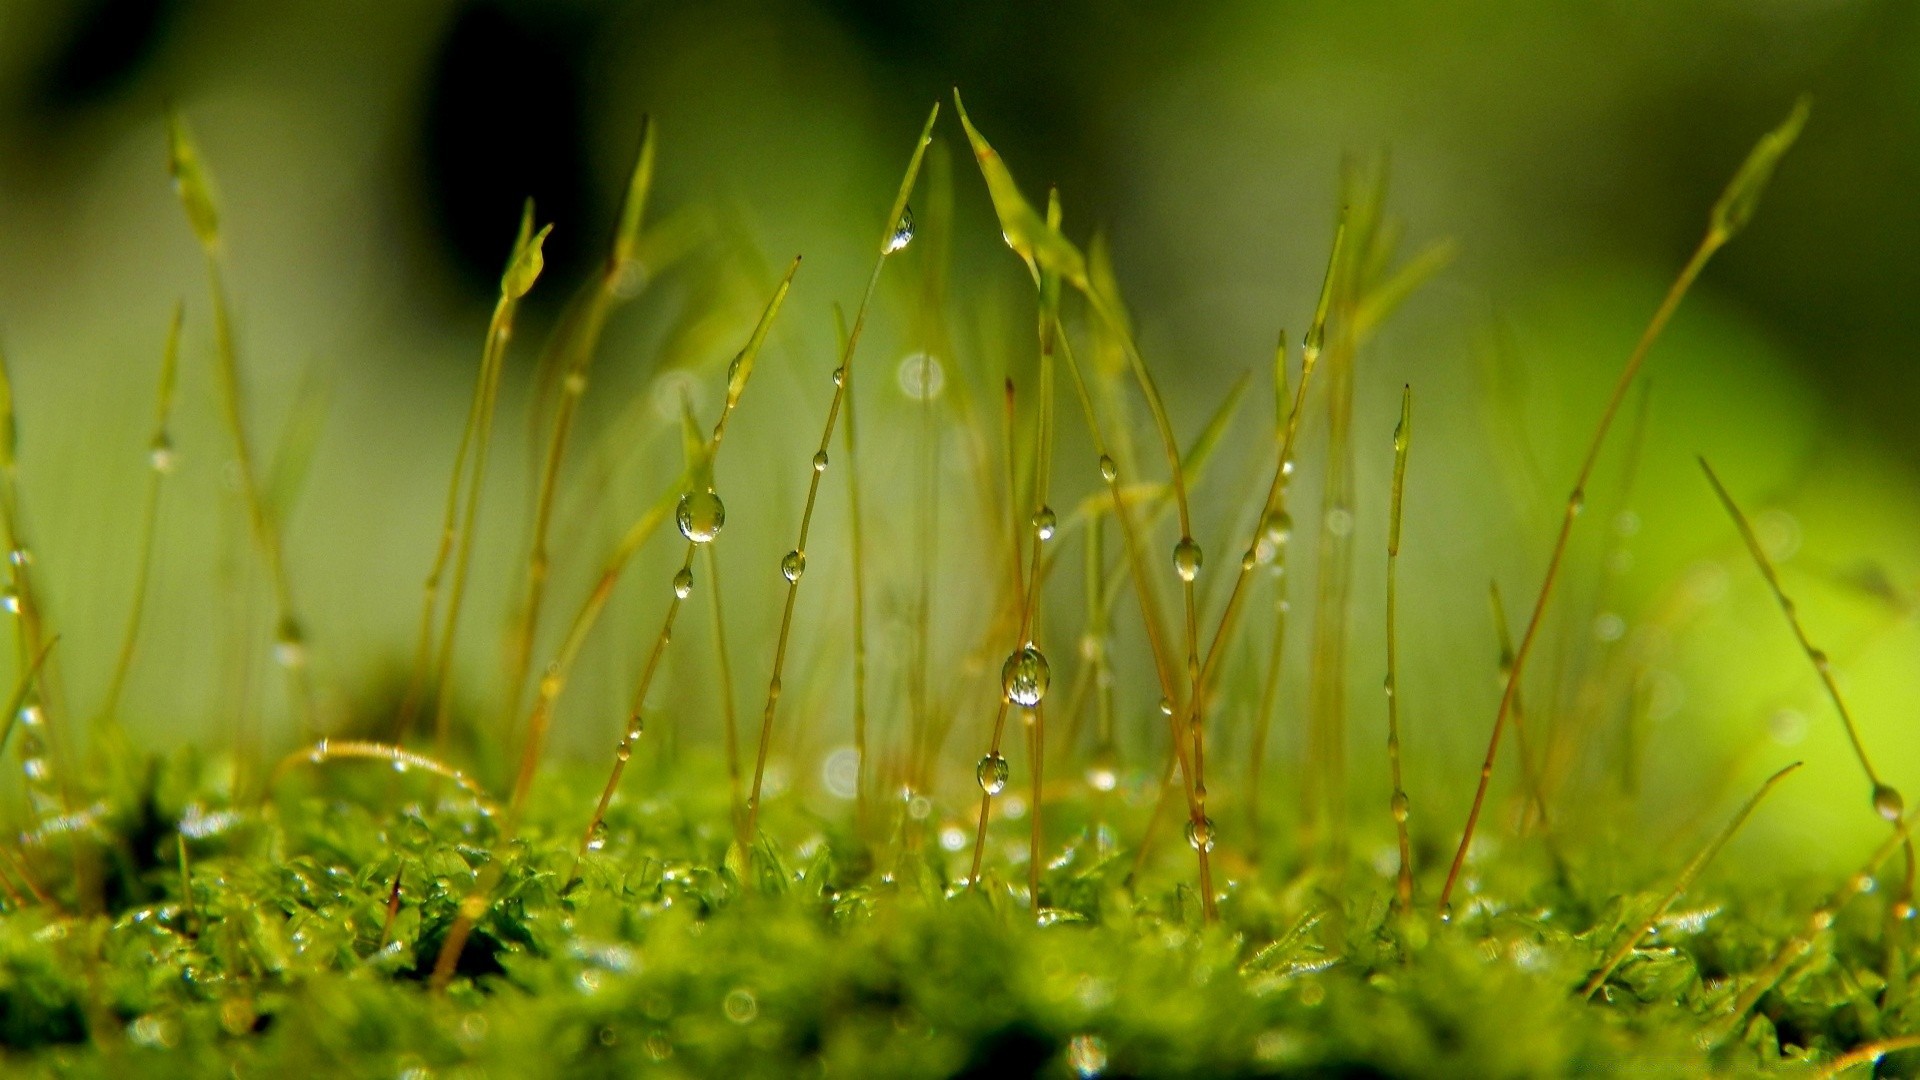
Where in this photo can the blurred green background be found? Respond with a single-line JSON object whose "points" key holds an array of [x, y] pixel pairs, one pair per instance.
{"points": [[372, 158]]}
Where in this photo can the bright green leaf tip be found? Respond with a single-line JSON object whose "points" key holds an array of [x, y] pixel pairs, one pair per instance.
{"points": [[1742, 197], [191, 183]]}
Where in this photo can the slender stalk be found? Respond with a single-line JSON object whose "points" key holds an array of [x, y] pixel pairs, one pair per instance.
{"points": [[160, 462], [523, 268], [190, 181], [1730, 214], [573, 351], [1529, 774], [1884, 798], [1688, 875], [725, 672], [1862, 1055], [896, 235], [857, 544], [1402, 437], [330, 750]]}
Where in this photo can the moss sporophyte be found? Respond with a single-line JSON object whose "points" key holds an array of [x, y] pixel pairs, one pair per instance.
{"points": [[944, 849]]}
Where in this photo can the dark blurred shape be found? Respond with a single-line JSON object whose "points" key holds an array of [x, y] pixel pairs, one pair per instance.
{"points": [[503, 123], [105, 46]]}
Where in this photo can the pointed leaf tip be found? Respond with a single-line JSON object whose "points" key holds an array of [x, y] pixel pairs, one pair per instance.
{"points": [[191, 183], [1742, 196]]}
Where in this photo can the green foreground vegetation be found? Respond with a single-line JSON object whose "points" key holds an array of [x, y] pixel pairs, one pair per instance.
{"points": [[426, 894]]}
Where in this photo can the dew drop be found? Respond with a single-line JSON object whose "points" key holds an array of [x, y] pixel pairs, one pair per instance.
{"points": [[920, 376], [1277, 528], [1103, 773], [1887, 802], [1166, 706], [1186, 559], [290, 645], [1399, 807], [597, 836], [161, 456], [1446, 913], [1044, 522], [840, 376], [902, 231], [1108, 470], [623, 750], [1024, 677], [1200, 833], [992, 773], [10, 599], [820, 461], [700, 516], [683, 583], [793, 565]]}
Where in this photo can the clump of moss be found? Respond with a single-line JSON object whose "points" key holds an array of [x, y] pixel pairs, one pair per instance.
{"points": [[440, 899]]}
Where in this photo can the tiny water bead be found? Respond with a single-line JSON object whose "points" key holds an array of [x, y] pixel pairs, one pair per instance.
{"points": [[820, 461], [161, 456], [683, 583], [700, 516], [1044, 522], [1277, 528], [1186, 559], [1108, 470], [992, 773], [1200, 833], [1399, 806], [597, 836], [1103, 773], [902, 231], [1887, 802], [290, 645], [1024, 677], [792, 565], [920, 376], [840, 376]]}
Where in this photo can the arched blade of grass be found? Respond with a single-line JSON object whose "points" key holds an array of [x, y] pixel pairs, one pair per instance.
{"points": [[1402, 439], [191, 183], [160, 461], [1730, 214], [1883, 797], [1043, 247], [1685, 881], [896, 234], [523, 269], [570, 355], [398, 757]]}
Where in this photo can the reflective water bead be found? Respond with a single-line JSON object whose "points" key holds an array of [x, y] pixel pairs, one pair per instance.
{"points": [[683, 583], [700, 516], [992, 773], [1186, 559], [1044, 522], [1024, 677], [1887, 802], [1108, 470], [902, 231], [793, 565], [1200, 833], [820, 461]]}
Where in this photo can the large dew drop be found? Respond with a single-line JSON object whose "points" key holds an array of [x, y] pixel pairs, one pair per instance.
{"points": [[1024, 677], [700, 516], [1200, 834], [1045, 522], [793, 565], [1186, 559], [1887, 802], [992, 773], [902, 231]]}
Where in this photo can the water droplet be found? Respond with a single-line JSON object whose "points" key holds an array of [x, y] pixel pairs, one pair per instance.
{"points": [[1446, 913], [1103, 773], [1087, 1055], [1247, 560], [920, 376], [31, 717], [1186, 559], [10, 599], [683, 583], [992, 773], [20, 556], [1200, 833], [840, 376], [1887, 802], [1044, 522], [1277, 528], [290, 645], [1819, 658], [700, 516], [597, 836], [1399, 806], [793, 565], [1166, 706], [623, 750], [36, 768], [820, 461], [1108, 470], [1024, 677], [902, 231], [1577, 502], [161, 456]]}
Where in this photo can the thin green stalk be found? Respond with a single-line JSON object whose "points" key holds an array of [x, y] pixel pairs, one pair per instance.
{"points": [[1688, 875], [857, 544], [160, 462], [1730, 214], [725, 666], [897, 233], [1402, 437]]}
